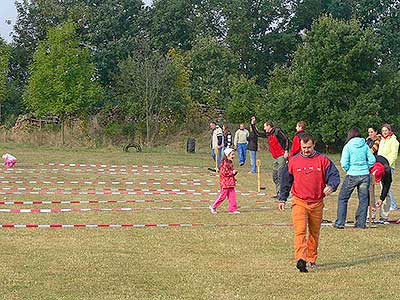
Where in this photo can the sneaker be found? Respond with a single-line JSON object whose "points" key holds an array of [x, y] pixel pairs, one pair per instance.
{"points": [[213, 210], [337, 226], [234, 212], [241, 164], [302, 265], [274, 196]]}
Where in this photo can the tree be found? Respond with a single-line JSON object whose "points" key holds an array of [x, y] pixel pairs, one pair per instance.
{"points": [[34, 19], [62, 78], [334, 82], [111, 28], [148, 88], [4, 67], [257, 33], [246, 99], [383, 17], [213, 66], [179, 23], [114, 29]]}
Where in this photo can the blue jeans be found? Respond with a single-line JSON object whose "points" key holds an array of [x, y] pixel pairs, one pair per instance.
{"points": [[241, 149], [219, 158], [253, 160], [360, 182]]}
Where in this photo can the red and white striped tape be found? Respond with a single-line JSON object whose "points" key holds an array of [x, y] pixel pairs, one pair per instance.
{"points": [[152, 225], [103, 173], [88, 165], [37, 202], [95, 170], [22, 177], [111, 191], [56, 225], [114, 209], [97, 182]]}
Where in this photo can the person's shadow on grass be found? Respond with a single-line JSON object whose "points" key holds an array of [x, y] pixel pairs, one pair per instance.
{"points": [[359, 261]]}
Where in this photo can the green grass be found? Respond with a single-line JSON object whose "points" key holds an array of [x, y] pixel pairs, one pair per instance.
{"points": [[232, 262]]}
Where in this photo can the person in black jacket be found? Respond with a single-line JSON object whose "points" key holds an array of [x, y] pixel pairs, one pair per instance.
{"points": [[373, 139], [228, 141], [252, 146], [278, 144], [383, 174]]}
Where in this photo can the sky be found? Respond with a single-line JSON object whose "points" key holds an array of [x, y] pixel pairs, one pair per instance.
{"points": [[8, 12]]}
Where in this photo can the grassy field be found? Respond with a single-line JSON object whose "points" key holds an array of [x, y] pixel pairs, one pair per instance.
{"points": [[228, 257]]}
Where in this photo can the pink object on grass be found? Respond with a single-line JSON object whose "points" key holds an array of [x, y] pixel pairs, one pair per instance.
{"points": [[9, 160]]}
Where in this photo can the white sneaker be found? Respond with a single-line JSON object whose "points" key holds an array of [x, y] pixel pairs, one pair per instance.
{"points": [[213, 210], [234, 212]]}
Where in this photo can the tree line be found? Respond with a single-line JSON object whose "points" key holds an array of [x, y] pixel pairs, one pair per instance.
{"points": [[146, 69]]}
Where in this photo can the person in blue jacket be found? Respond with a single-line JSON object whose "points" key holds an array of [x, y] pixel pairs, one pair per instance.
{"points": [[356, 160]]}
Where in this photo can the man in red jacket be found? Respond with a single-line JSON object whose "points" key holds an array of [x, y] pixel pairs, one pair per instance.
{"points": [[310, 176], [278, 146]]}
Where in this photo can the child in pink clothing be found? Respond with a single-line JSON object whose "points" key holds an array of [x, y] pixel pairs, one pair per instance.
{"points": [[227, 179], [9, 160]]}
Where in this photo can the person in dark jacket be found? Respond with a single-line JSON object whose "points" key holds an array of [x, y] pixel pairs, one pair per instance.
{"points": [[383, 174], [228, 141], [278, 146], [310, 176], [373, 140], [252, 146]]}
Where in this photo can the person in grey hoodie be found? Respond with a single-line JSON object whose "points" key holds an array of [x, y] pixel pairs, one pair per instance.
{"points": [[356, 160]]}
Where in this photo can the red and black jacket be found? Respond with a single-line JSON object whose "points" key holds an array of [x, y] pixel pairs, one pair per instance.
{"points": [[307, 176], [277, 140], [387, 176]]}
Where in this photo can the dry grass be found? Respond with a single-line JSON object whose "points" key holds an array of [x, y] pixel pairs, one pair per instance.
{"points": [[232, 262]]}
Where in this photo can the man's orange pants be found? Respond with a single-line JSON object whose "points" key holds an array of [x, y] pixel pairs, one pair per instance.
{"points": [[306, 214]]}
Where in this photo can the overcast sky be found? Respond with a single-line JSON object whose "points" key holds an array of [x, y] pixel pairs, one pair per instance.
{"points": [[9, 12]]}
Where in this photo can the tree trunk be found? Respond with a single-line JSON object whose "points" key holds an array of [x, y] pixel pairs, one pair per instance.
{"points": [[147, 87], [62, 133], [147, 129]]}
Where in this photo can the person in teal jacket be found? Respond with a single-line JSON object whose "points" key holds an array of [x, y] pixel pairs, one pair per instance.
{"points": [[356, 160]]}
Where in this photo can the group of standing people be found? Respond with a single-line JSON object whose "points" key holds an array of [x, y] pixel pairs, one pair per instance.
{"points": [[223, 142], [243, 140], [360, 159], [311, 176]]}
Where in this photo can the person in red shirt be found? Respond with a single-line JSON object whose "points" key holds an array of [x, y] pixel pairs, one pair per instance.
{"points": [[310, 176], [296, 149], [227, 181], [278, 146]]}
